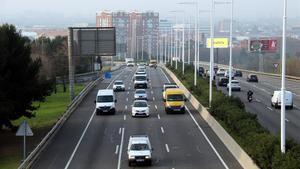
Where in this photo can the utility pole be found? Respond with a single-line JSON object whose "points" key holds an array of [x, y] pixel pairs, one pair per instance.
{"points": [[211, 50], [282, 145]]}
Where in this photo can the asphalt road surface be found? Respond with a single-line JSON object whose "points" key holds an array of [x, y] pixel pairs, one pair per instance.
{"points": [[180, 141], [267, 115]]}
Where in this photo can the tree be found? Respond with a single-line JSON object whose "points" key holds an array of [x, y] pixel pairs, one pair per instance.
{"points": [[20, 82]]}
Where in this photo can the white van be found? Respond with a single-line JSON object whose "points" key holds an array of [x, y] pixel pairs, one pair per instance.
{"points": [[140, 81], [276, 99], [105, 102]]}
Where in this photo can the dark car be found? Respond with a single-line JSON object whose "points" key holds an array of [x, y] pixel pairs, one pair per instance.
{"points": [[252, 78], [238, 73], [223, 81], [201, 71]]}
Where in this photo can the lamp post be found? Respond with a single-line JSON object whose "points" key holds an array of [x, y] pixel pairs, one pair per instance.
{"points": [[282, 143], [212, 13]]}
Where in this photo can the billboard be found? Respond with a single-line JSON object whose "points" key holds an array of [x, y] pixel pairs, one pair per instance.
{"points": [[94, 41], [263, 45], [218, 43]]}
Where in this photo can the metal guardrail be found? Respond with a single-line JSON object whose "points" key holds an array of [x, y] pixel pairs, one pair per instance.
{"points": [[256, 72], [27, 163]]}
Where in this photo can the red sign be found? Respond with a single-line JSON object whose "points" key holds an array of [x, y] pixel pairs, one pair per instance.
{"points": [[263, 45]]}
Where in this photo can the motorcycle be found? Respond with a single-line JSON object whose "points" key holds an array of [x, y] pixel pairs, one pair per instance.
{"points": [[250, 98]]}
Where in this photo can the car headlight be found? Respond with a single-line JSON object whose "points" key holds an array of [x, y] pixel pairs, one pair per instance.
{"points": [[131, 157], [147, 157]]}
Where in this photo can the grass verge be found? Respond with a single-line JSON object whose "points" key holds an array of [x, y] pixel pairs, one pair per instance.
{"points": [[46, 115], [261, 146]]}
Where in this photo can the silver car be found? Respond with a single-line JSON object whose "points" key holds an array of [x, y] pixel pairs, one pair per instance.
{"points": [[140, 94]]}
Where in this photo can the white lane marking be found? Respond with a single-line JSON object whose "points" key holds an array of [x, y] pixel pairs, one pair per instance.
{"points": [[125, 117], [270, 108], [125, 107], [120, 130], [162, 130], [117, 149], [287, 120], [165, 75], [128, 88], [211, 145], [78, 143], [121, 147], [151, 91], [153, 98], [167, 148], [207, 139], [258, 100], [155, 107], [127, 99], [158, 116], [84, 131], [127, 92]]}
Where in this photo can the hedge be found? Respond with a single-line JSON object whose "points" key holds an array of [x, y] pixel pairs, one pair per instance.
{"points": [[259, 143]]}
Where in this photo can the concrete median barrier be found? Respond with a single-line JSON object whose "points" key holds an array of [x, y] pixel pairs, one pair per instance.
{"points": [[240, 155]]}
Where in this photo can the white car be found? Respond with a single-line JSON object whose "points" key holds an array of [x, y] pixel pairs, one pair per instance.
{"points": [[140, 108], [276, 99], [140, 94], [235, 85], [119, 85], [227, 74], [221, 72], [139, 150]]}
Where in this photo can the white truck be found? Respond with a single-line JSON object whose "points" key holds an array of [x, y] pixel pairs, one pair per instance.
{"points": [[139, 150], [129, 62], [105, 102]]}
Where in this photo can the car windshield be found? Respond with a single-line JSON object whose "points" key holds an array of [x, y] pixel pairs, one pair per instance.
{"points": [[170, 87], [175, 97], [140, 78], [235, 82], [139, 147], [140, 91], [118, 83], [253, 76], [140, 104], [104, 99]]}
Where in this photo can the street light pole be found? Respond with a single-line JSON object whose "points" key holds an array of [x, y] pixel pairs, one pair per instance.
{"points": [[189, 42], [211, 50], [282, 145], [183, 48], [230, 48], [196, 46]]}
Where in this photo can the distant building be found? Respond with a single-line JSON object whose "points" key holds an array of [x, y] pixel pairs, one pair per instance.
{"points": [[134, 30]]}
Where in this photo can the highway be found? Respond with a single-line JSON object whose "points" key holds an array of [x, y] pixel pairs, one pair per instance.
{"points": [[267, 115], [180, 141]]}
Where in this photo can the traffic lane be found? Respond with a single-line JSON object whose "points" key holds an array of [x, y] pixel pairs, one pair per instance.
{"points": [[274, 83], [99, 145], [144, 126], [267, 115], [57, 152], [198, 138]]}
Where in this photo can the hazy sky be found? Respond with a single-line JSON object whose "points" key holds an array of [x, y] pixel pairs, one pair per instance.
{"points": [[36, 11]]}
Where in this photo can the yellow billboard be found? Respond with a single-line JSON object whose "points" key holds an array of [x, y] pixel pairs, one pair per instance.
{"points": [[218, 43]]}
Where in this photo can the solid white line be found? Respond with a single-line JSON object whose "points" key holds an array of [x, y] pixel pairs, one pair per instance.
{"points": [[125, 117], [78, 143], [211, 145], [270, 108], [120, 130], [86, 127], [117, 149], [158, 116], [121, 147], [165, 75], [167, 148], [155, 107], [162, 130]]}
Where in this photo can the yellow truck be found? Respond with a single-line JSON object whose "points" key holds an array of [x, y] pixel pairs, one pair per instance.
{"points": [[153, 63], [174, 101]]}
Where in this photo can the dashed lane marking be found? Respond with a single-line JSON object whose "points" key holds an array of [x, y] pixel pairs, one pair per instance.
{"points": [[167, 148], [162, 130], [117, 149]]}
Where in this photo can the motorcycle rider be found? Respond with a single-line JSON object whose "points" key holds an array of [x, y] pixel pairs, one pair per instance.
{"points": [[249, 94]]}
